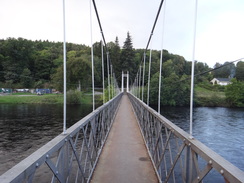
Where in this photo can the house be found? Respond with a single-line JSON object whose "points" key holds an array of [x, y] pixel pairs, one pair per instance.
{"points": [[220, 81]]}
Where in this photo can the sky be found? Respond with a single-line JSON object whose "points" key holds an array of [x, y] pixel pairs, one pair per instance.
{"points": [[219, 28]]}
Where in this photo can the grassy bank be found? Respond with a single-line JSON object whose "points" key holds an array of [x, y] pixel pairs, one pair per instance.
{"points": [[205, 97], [42, 99]]}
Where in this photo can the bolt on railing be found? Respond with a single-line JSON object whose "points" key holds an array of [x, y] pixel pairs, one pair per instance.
{"points": [[175, 156]]}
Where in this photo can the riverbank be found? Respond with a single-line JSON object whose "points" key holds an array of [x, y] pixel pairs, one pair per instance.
{"points": [[208, 98], [41, 99]]}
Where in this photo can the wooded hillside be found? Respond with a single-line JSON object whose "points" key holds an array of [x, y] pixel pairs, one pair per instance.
{"points": [[39, 64]]}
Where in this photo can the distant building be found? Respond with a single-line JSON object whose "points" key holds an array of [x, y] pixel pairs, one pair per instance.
{"points": [[220, 81]]}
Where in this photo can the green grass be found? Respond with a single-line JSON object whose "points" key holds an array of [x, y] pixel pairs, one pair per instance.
{"points": [[22, 93], [42, 99], [205, 97], [34, 99], [203, 92]]}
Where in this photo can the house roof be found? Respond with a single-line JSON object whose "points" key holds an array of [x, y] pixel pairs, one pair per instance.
{"points": [[223, 79]]}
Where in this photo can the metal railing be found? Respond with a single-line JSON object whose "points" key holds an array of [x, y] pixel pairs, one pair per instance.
{"points": [[69, 157], [176, 156]]}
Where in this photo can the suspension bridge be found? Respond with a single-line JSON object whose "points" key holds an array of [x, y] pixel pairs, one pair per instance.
{"points": [[124, 140]]}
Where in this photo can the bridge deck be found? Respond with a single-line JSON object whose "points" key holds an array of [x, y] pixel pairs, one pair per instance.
{"points": [[124, 157]]}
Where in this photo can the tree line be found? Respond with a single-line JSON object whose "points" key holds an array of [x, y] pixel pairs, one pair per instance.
{"points": [[39, 64]]}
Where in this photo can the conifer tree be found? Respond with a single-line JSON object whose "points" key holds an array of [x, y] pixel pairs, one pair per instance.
{"points": [[127, 57], [115, 57]]}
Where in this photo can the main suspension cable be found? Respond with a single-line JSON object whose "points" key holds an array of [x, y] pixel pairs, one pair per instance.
{"points": [[154, 25], [100, 25]]}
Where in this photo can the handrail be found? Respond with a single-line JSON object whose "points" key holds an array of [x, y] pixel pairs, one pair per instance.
{"points": [[69, 157], [176, 157]]}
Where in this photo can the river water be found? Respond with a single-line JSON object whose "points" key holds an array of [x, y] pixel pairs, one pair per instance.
{"points": [[25, 128], [221, 129]]}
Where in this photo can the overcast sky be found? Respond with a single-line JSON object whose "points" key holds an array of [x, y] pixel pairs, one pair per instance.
{"points": [[219, 37]]}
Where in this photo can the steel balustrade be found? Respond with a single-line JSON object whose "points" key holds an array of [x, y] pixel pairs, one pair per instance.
{"points": [[176, 156], [69, 157]]}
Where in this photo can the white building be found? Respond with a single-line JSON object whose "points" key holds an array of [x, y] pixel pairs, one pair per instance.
{"points": [[220, 81]]}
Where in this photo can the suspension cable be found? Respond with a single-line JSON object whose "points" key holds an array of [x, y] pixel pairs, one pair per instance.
{"points": [[103, 71], [108, 76], [149, 76], [161, 62], [143, 75], [192, 71], [155, 22], [92, 60], [64, 60], [202, 73], [140, 83], [100, 25]]}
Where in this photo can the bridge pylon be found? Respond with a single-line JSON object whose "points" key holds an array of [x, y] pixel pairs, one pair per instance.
{"points": [[122, 82]]}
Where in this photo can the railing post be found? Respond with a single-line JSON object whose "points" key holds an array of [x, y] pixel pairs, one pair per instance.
{"points": [[127, 90], [65, 164], [189, 166], [122, 82]]}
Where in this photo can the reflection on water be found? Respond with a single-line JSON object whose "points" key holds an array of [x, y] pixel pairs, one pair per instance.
{"points": [[221, 129], [25, 128]]}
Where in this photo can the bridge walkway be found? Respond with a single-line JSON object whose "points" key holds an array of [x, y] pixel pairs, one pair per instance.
{"points": [[124, 157]]}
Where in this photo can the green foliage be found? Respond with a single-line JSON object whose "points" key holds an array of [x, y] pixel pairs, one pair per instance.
{"points": [[26, 79], [205, 95], [74, 97], [224, 71], [43, 99], [240, 71], [106, 93], [36, 60], [127, 57], [235, 93], [173, 91], [78, 72], [207, 85]]}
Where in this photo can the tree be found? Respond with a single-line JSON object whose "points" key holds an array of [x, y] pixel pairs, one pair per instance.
{"points": [[226, 70], [78, 72], [173, 91], [240, 71], [127, 62], [235, 93], [1, 68], [43, 65], [26, 79], [114, 50]]}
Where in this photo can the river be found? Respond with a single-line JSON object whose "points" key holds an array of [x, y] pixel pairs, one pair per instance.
{"points": [[25, 128], [221, 129]]}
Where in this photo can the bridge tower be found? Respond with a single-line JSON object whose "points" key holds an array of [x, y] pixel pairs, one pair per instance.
{"points": [[122, 82]]}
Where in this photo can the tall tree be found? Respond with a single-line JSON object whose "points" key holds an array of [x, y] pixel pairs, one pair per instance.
{"points": [[234, 93], [127, 62], [1, 68], [26, 79], [240, 71], [228, 70], [114, 50]]}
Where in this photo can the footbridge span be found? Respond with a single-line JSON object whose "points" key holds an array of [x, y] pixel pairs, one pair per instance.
{"points": [[124, 140]]}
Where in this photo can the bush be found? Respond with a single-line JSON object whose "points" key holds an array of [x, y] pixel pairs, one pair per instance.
{"points": [[74, 97]]}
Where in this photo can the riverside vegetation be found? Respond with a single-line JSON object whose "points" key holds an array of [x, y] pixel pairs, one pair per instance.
{"points": [[39, 64], [73, 97]]}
